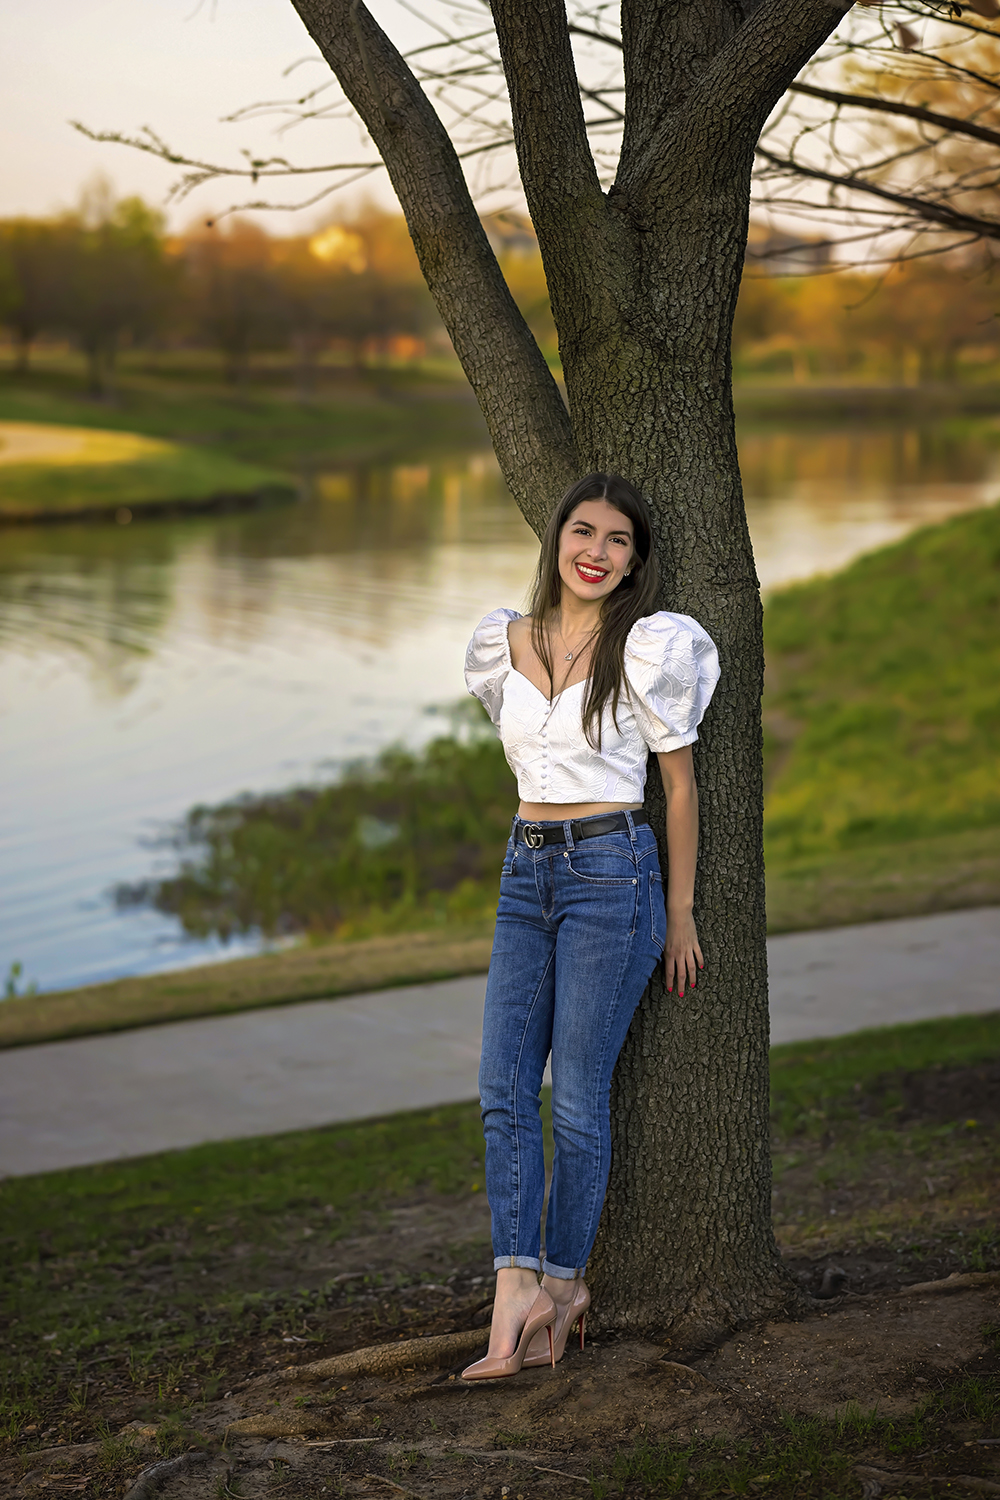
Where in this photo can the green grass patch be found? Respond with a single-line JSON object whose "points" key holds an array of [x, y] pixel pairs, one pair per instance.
{"points": [[950, 872], [306, 972], [266, 423], [813, 1083], [806, 1457], [175, 475], [174, 1254], [882, 702]]}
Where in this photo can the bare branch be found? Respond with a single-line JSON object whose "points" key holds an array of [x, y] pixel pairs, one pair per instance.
{"points": [[923, 208], [203, 171], [950, 123]]}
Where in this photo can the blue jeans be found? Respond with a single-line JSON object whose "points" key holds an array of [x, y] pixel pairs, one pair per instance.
{"points": [[579, 930]]}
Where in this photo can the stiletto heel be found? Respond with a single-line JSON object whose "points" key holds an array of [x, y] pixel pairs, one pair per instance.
{"points": [[494, 1367], [575, 1311], [552, 1350]]}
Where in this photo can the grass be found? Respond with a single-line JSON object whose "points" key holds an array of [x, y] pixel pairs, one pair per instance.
{"points": [[801, 1456], [149, 1287], [307, 972], [948, 873], [816, 1083], [184, 400], [882, 706], [99, 473]]}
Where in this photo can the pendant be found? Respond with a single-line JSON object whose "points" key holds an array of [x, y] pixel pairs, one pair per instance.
{"points": [[568, 656]]}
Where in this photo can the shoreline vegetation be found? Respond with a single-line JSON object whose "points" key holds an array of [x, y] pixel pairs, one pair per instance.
{"points": [[881, 738]]}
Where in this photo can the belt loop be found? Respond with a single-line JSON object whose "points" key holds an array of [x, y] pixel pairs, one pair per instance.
{"points": [[631, 827], [568, 834]]}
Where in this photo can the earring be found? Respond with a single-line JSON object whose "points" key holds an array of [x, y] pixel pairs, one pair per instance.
{"points": [[628, 572]]}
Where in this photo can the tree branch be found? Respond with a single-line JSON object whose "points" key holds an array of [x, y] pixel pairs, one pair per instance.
{"points": [[896, 107], [935, 213], [725, 112], [564, 196], [528, 422]]}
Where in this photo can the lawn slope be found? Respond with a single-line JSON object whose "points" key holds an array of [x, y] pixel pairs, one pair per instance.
{"points": [[52, 472], [883, 697]]}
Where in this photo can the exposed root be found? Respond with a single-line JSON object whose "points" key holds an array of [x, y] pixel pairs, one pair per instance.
{"points": [[389, 1359]]}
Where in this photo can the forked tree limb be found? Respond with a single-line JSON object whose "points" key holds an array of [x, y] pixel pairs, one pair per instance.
{"points": [[528, 422], [725, 112], [568, 208]]}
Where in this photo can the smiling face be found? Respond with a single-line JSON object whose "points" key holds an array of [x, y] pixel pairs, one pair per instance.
{"points": [[596, 546]]}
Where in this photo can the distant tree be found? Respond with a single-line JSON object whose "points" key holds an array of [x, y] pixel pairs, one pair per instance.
{"points": [[118, 278], [34, 256], [234, 293]]}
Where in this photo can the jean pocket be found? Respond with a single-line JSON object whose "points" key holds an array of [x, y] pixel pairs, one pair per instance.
{"points": [[657, 910], [602, 864]]}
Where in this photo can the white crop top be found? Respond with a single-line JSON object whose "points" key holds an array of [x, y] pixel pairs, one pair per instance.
{"points": [[671, 668]]}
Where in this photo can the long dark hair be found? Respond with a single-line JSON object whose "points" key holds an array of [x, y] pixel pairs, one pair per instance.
{"points": [[634, 597]]}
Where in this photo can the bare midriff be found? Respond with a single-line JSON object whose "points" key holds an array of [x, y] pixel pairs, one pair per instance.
{"points": [[558, 812]]}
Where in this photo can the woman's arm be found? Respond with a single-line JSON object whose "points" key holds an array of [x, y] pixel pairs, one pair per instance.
{"points": [[682, 956]]}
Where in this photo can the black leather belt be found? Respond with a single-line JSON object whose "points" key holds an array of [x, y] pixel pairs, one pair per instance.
{"points": [[537, 835]]}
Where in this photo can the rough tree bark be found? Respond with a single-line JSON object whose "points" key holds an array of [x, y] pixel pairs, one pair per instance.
{"points": [[643, 282]]}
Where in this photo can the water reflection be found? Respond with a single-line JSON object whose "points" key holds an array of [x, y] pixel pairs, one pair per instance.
{"points": [[148, 667]]}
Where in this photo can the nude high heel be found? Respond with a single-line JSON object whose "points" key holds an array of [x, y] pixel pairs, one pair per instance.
{"points": [[493, 1367], [574, 1311]]}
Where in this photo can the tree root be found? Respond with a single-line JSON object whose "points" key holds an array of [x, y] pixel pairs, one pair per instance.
{"points": [[958, 1281], [389, 1359], [156, 1476], [874, 1480]]}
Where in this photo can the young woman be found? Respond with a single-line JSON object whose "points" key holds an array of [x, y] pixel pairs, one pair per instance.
{"points": [[580, 690]]}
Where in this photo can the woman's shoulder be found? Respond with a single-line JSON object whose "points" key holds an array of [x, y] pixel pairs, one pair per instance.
{"points": [[498, 619], [489, 639], [654, 638]]}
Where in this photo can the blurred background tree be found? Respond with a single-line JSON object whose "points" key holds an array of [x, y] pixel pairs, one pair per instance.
{"points": [[117, 278], [34, 254], [233, 293]]}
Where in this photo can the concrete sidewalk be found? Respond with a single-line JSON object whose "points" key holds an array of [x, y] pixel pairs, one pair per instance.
{"points": [[94, 1099]]}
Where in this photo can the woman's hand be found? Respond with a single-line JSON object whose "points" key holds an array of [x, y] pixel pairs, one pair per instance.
{"points": [[682, 957]]}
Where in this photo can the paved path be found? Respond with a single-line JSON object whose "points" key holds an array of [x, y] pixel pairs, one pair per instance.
{"points": [[98, 1098]]}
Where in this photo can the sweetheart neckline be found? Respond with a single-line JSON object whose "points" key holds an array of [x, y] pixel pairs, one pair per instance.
{"points": [[582, 682]]}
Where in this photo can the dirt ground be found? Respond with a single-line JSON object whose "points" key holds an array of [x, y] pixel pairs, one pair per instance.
{"points": [[427, 1433]]}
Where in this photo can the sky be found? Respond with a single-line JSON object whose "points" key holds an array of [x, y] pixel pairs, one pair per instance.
{"points": [[175, 65]]}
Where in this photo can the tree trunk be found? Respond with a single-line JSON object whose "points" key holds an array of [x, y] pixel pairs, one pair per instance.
{"points": [[22, 343], [643, 283], [685, 1246]]}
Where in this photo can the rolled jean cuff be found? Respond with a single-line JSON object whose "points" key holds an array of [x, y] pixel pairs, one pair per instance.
{"points": [[521, 1262], [562, 1273]]}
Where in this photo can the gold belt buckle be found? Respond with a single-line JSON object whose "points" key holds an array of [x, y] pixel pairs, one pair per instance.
{"points": [[533, 836]]}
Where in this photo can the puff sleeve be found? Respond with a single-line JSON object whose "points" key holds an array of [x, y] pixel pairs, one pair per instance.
{"points": [[487, 661], [671, 667]]}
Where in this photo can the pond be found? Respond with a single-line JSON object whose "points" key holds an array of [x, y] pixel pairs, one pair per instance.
{"points": [[149, 667]]}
